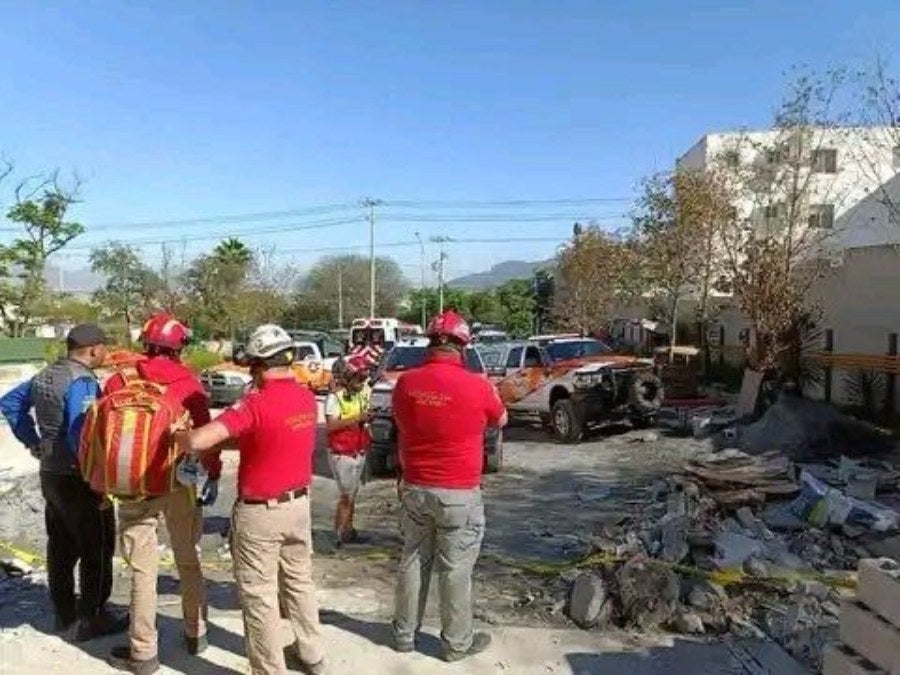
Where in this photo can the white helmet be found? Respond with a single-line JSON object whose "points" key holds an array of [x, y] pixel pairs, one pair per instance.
{"points": [[268, 340]]}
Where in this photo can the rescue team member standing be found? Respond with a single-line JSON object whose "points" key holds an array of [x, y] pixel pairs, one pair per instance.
{"points": [[163, 338], [442, 411], [80, 527], [346, 417], [275, 428]]}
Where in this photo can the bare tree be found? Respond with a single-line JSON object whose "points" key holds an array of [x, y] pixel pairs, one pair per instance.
{"points": [[786, 191], [877, 142], [679, 220], [594, 270]]}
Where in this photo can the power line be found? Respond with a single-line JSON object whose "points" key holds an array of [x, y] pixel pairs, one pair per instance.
{"points": [[233, 218], [294, 227], [500, 203]]}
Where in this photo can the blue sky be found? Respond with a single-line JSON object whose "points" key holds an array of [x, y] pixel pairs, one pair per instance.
{"points": [[174, 110]]}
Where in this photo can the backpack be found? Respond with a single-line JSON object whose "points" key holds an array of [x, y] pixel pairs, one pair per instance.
{"points": [[127, 447]]}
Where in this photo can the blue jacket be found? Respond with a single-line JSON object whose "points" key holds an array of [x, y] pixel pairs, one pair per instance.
{"points": [[16, 407]]}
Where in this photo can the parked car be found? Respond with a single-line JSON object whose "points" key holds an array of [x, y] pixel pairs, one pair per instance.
{"points": [[382, 457], [573, 384], [224, 385], [493, 355]]}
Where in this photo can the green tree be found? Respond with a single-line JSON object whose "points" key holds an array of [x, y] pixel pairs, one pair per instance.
{"points": [[215, 285], [41, 209], [517, 306], [130, 286], [342, 283]]}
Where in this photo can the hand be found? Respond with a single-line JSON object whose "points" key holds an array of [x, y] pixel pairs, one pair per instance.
{"points": [[36, 452], [208, 493], [182, 441]]}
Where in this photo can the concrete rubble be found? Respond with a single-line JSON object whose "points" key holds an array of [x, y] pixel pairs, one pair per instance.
{"points": [[724, 548]]}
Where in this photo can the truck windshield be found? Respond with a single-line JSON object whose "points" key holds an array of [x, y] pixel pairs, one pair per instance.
{"points": [[576, 349], [406, 358], [302, 352]]}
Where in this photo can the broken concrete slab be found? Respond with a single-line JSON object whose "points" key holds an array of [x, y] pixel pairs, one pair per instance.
{"points": [[688, 623], [589, 601], [648, 593]]}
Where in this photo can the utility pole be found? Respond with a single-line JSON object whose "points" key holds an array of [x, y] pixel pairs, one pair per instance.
{"points": [[439, 265], [340, 297], [370, 204], [422, 269]]}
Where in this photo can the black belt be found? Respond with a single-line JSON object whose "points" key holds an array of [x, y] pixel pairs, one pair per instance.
{"points": [[283, 498]]}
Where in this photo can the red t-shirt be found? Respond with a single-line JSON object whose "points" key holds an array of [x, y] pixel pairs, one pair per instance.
{"points": [[275, 427], [183, 389], [441, 411]]}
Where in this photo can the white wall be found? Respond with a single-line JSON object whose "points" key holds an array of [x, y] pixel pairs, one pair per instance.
{"points": [[865, 162]]}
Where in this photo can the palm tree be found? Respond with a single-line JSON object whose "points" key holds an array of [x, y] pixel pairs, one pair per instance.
{"points": [[233, 252]]}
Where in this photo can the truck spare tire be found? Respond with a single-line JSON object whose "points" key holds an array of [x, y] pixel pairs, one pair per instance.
{"points": [[646, 394]]}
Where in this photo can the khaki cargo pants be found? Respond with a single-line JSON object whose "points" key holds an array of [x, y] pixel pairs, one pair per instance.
{"points": [[138, 523], [442, 532], [272, 543]]}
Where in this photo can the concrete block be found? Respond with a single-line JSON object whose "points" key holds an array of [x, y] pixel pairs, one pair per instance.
{"points": [[870, 636], [841, 660], [879, 588], [588, 600]]}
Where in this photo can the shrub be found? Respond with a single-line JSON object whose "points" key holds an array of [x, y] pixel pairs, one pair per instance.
{"points": [[199, 359]]}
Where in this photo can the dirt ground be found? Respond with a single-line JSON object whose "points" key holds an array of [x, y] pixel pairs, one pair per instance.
{"points": [[543, 509]]}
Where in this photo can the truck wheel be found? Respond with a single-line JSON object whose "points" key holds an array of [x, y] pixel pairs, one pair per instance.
{"points": [[377, 461], [567, 423], [646, 394]]}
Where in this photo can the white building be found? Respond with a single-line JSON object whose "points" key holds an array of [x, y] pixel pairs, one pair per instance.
{"points": [[849, 178], [853, 192]]}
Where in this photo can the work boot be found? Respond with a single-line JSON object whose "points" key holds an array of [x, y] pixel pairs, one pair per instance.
{"points": [[62, 623], [480, 642], [196, 645], [105, 623], [120, 658], [293, 662], [403, 646]]}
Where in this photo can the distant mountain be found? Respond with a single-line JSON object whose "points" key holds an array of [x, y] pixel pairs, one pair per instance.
{"points": [[499, 274]]}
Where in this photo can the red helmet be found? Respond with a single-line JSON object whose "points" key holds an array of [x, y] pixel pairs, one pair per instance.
{"points": [[356, 365], [163, 330], [450, 325]]}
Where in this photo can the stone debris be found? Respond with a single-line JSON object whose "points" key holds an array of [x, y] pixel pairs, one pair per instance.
{"points": [[720, 551], [648, 594], [588, 602]]}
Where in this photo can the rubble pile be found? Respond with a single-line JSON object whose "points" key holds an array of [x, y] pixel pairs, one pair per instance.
{"points": [[22, 513], [732, 546], [807, 430]]}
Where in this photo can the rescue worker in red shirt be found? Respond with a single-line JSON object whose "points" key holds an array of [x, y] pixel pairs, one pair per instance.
{"points": [[441, 411], [346, 415], [163, 338], [271, 535]]}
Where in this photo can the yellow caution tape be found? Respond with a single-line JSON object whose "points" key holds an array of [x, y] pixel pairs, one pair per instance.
{"points": [[723, 577], [25, 556]]}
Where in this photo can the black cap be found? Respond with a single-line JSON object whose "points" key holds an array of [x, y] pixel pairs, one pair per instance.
{"points": [[85, 335]]}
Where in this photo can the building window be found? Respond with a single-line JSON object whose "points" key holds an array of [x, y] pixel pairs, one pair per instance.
{"points": [[824, 160], [773, 156], [821, 216], [732, 158], [773, 212]]}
